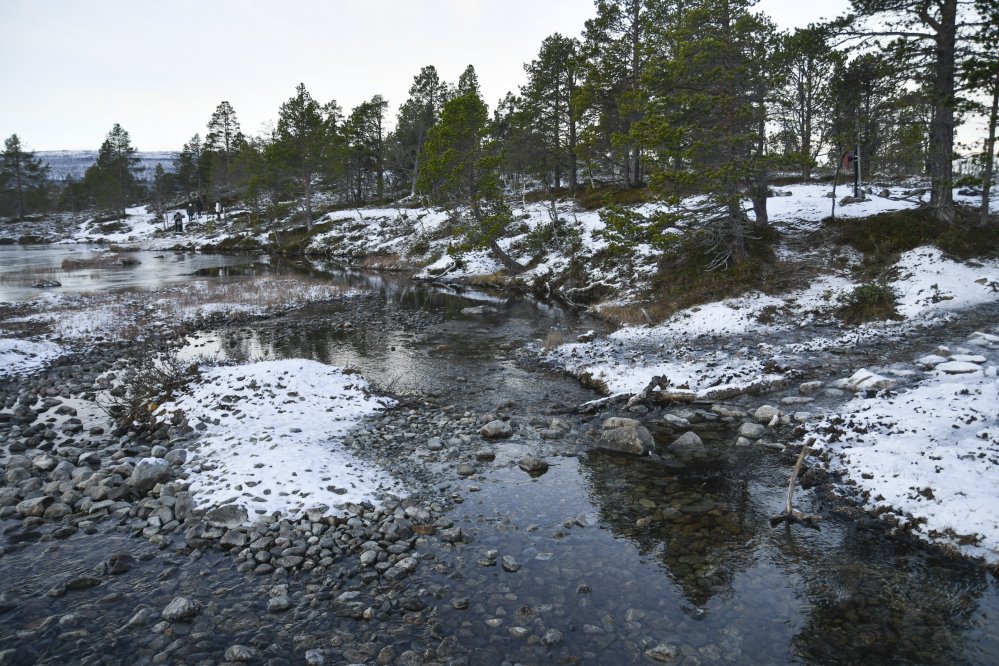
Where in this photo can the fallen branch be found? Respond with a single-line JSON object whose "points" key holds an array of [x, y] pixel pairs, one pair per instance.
{"points": [[790, 515], [658, 391]]}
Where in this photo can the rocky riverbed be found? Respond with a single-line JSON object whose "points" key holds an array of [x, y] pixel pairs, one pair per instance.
{"points": [[538, 523]]}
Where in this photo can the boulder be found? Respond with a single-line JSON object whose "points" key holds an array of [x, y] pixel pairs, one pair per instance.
{"points": [[180, 609], [496, 429], [533, 465], [34, 507], [687, 445], [766, 413], [627, 438], [228, 515], [149, 472], [752, 430]]}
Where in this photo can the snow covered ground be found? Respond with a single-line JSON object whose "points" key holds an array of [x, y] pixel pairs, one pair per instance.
{"points": [[24, 356], [930, 454], [270, 437]]}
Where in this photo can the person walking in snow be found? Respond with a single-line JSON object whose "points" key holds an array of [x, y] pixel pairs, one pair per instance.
{"points": [[200, 206], [218, 211], [178, 222]]}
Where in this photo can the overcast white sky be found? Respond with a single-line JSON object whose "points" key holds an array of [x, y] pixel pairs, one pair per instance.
{"points": [[71, 69]]}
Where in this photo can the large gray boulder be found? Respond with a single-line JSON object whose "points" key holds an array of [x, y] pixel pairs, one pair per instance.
{"points": [[688, 445], [626, 436], [149, 472]]}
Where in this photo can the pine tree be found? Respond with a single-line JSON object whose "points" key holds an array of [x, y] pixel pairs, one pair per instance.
{"points": [[926, 37], [802, 101], [365, 135], [190, 167], [224, 138], [305, 139], [706, 122], [416, 116], [112, 179], [616, 51], [553, 79], [981, 73], [462, 170], [21, 174]]}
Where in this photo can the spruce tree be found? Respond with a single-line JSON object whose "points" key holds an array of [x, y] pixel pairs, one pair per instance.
{"points": [[21, 174]]}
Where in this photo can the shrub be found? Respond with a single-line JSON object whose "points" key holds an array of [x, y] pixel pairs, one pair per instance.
{"points": [[869, 302]]}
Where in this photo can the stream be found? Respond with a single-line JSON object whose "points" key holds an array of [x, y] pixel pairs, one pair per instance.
{"points": [[618, 559]]}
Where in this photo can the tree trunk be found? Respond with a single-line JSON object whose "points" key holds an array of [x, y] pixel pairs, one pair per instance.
{"points": [[508, 262], [19, 184], [942, 130], [990, 153], [573, 165], [308, 203]]}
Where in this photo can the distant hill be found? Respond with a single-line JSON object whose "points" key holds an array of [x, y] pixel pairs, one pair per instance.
{"points": [[63, 163]]}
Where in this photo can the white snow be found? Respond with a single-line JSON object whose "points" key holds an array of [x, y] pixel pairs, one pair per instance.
{"points": [[929, 454], [23, 356], [272, 437]]}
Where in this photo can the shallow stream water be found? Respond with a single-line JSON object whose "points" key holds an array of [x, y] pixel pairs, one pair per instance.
{"points": [[617, 555]]}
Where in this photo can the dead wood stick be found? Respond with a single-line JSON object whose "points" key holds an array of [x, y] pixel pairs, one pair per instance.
{"points": [[790, 515]]}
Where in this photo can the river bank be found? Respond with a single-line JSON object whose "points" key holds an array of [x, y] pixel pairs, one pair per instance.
{"points": [[478, 503]]}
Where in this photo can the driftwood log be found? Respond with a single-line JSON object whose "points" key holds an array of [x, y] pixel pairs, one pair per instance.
{"points": [[790, 515], [659, 391]]}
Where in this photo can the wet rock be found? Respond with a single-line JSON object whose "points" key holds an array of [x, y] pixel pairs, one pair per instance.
{"points": [[240, 653], [119, 563], [865, 380], [479, 310], [466, 469], [229, 515], [664, 653], [278, 604], [752, 430], [552, 638], [34, 507], [315, 658], [496, 429], [533, 465], [626, 436], [181, 609], [766, 413], [149, 472], [687, 445], [509, 564]]}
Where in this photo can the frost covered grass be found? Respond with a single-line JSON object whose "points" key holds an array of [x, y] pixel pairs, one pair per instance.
{"points": [[270, 437]]}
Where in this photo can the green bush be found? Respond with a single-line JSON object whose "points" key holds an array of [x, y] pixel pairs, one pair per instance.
{"points": [[869, 302]]}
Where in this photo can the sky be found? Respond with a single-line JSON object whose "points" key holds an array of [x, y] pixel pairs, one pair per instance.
{"points": [[73, 69]]}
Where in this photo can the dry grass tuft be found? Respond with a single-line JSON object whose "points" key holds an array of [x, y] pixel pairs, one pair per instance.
{"points": [[553, 339]]}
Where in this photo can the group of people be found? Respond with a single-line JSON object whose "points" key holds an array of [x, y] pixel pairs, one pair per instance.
{"points": [[195, 208]]}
